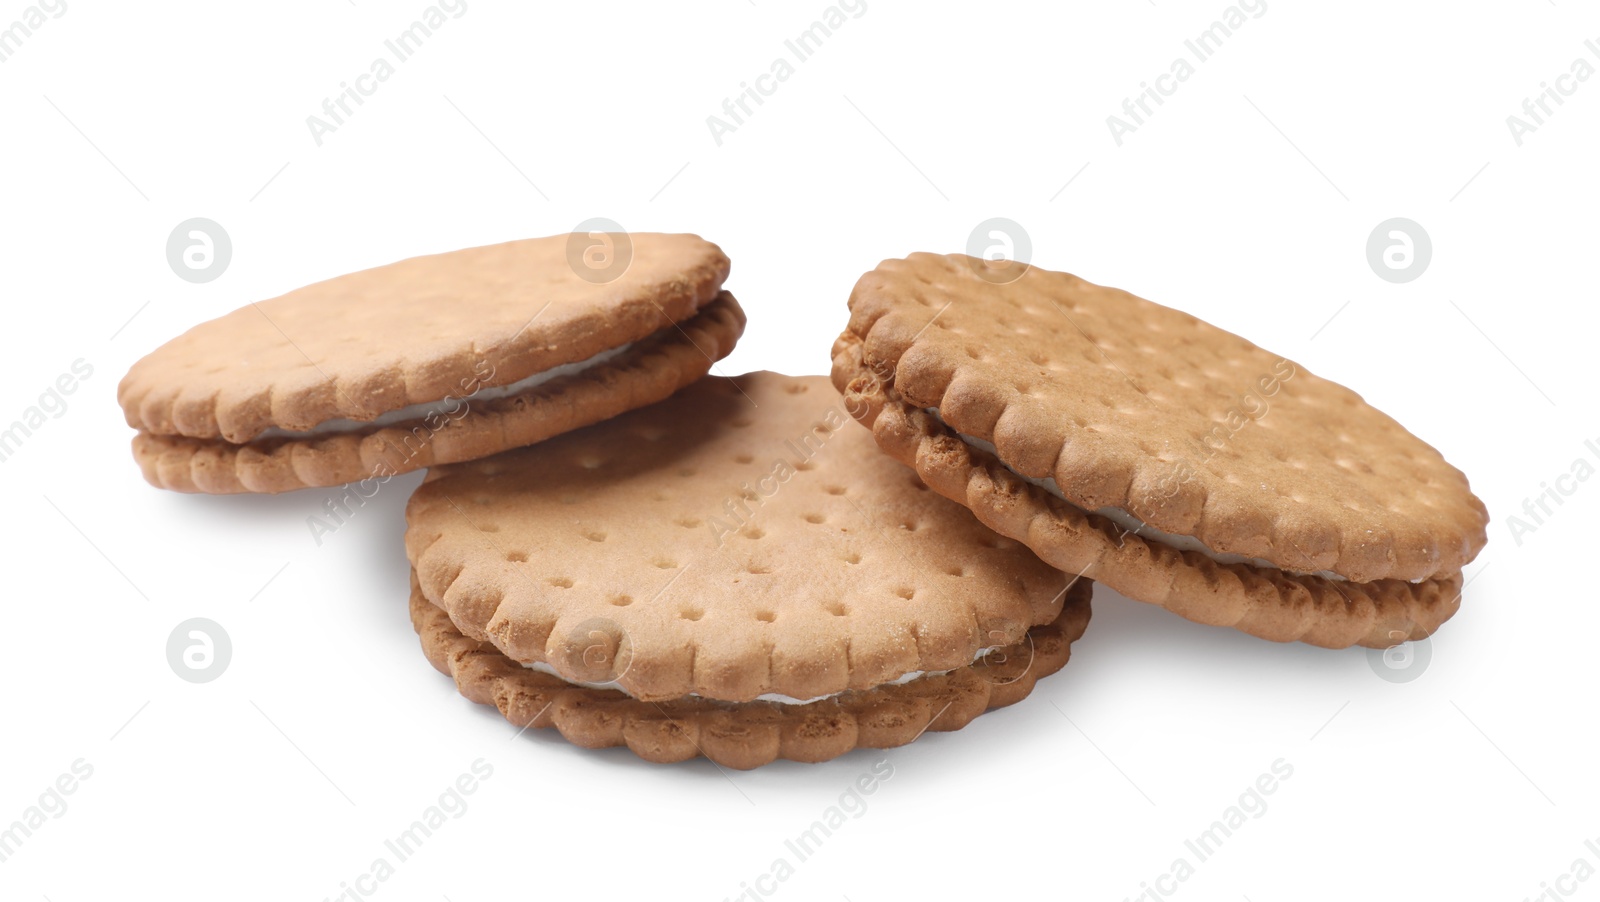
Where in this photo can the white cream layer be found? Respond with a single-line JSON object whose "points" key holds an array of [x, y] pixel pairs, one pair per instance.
{"points": [[1131, 523], [449, 406], [901, 680]]}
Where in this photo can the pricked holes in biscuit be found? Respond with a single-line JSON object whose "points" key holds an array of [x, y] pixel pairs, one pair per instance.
{"points": [[489, 527], [766, 616], [836, 609], [622, 601], [688, 522], [852, 558], [560, 582], [591, 462], [744, 458], [955, 570], [797, 388], [906, 592], [690, 613], [834, 489], [757, 569], [687, 472], [662, 563], [815, 518], [805, 465], [594, 535], [517, 557], [753, 532]]}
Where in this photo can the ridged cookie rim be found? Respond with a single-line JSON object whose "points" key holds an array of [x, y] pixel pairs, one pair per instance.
{"points": [[1376, 614], [673, 731], [648, 372]]}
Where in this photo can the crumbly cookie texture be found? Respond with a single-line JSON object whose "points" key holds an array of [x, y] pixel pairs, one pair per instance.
{"points": [[1260, 601], [648, 371], [412, 332], [1195, 431], [738, 539], [751, 734]]}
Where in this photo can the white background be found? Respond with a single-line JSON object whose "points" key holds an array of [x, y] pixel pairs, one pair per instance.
{"points": [[1247, 200]]}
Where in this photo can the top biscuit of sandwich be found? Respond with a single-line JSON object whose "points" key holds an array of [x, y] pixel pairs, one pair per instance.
{"points": [[1132, 406], [412, 332], [738, 539]]}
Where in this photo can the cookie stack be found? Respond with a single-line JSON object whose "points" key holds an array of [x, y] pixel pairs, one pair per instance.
{"points": [[614, 543]]}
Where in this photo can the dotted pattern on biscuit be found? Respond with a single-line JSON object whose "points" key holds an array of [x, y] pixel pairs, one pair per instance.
{"points": [[1263, 602], [411, 332], [1194, 430], [740, 538], [748, 735], [648, 372]]}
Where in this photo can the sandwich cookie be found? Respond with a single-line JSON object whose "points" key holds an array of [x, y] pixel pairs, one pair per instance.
{"points": [[430, 360], [747, 735], [735, 572], [1169, 459]]}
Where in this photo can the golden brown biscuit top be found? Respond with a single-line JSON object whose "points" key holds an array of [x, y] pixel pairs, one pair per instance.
{"points": [[1130, 405], [741, 538], [413, 332]]}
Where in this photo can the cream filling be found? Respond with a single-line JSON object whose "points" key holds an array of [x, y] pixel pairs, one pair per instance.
{"points": [[781, 699], [449, 406], [1131, 523]]}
